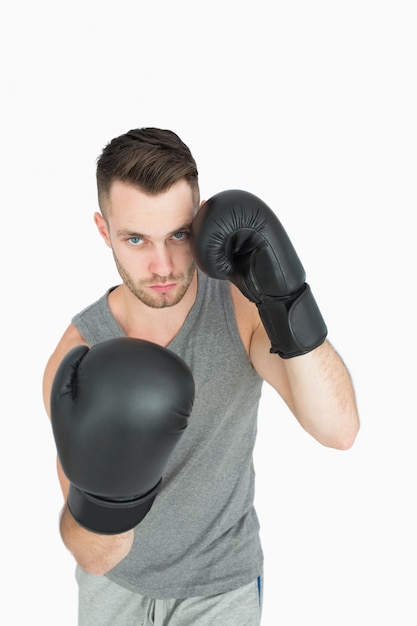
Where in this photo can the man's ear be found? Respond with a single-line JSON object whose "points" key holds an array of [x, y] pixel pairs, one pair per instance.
{"points": [[102, 228], [196, 210]]}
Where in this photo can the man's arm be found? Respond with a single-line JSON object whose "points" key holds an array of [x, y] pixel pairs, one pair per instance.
{"points": [[96, 554], [236, 236], [316, 387]]}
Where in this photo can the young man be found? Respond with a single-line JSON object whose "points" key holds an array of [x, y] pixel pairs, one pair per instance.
{"points": [[219, 286]]}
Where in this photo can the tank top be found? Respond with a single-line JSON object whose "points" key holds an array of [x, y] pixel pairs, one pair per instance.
{"points": [[201, 536]]}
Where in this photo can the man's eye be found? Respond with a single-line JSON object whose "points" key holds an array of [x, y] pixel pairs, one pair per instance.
{"points": [[180, 236], [135, 241]]}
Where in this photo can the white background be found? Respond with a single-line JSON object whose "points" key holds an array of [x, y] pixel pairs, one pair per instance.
{"points": [[310, 105]]}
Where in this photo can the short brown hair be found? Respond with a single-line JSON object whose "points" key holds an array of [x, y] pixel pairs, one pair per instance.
{"points": [[149, 158]]}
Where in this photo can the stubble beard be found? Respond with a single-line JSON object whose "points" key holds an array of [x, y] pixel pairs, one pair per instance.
{"points": [[159, 300]]}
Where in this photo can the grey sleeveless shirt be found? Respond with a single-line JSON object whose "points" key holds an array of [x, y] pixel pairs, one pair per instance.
{"points": [[201, 537]]}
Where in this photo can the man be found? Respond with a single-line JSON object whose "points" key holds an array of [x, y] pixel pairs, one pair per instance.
{"points": [[219, 285]]}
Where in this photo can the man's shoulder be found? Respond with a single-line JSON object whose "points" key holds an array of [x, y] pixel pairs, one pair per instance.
{"points": [[71, 338], [246, 315], [99, 302]]}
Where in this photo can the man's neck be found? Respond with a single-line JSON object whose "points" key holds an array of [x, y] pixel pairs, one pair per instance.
{"points": [[159, 325]]}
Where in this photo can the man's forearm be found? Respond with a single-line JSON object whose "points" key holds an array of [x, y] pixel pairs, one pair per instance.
{"points": [[95, 553], [324, 399]]}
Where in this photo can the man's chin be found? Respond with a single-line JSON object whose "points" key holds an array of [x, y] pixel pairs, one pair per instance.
{"points": [[162, 300], [161, 303]]}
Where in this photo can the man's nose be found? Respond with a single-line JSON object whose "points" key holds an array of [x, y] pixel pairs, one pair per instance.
{"points": [[161, 263]]}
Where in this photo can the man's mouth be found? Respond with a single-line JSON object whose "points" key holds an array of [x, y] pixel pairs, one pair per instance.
{"points": [[160, 288]]}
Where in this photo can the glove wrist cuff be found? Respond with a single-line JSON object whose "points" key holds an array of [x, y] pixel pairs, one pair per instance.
{"points": [[108, 517], [295, 325]]}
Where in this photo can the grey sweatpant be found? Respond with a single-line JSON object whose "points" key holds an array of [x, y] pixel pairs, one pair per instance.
{"points": [[103, 603]]}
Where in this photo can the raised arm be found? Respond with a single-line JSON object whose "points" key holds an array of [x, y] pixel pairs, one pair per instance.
{"points": [[236, 236]]}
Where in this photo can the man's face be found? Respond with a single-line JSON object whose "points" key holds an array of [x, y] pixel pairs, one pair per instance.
{"points": [[149, 237]]}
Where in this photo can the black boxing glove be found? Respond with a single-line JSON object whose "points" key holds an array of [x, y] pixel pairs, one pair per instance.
{"points": [[236, 236], [118, 410]]}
